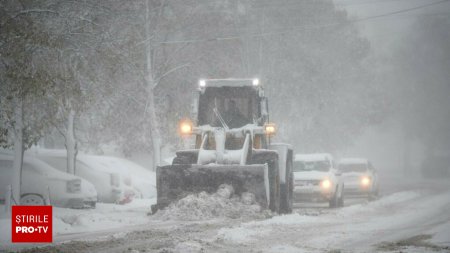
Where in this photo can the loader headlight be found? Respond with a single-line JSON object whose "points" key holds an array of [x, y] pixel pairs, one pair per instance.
{"points": [[185, 127], [365, 181], [270, 129], [255, 82], [202, 83], [325, 184]]}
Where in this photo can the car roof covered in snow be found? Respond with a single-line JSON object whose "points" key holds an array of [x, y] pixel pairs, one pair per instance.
{"points": [[109, 164], [99, 163], [42, 167], [92, 161], [313, 157], [126, 166], [353, 160]]}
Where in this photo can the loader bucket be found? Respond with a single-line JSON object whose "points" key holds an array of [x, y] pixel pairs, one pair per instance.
{"points": [[177, 181]]}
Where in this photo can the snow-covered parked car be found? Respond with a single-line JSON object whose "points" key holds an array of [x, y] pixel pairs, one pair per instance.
{"points": [[360, 177], [40, 180], [317, 179], [111, 184], [143, 181]]}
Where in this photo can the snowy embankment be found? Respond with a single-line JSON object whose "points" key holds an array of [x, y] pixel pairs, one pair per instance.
{"points": [[359, 228], [104, 217]]}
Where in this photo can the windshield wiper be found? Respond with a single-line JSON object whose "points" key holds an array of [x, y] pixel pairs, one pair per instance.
{"points": [[222, 121]]}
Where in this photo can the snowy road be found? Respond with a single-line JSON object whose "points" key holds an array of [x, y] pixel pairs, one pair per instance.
{"points": [[412, 216]]}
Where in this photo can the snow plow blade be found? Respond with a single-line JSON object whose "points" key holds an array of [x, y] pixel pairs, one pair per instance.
{"points": [[174, 182]]}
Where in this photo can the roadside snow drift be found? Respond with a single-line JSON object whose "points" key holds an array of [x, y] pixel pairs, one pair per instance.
{"points": [[362, 226], [105, 217]]}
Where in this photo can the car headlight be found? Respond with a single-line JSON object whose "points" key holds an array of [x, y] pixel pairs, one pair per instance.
{"points": [[325, 184], [365, 181], [73, 186]]}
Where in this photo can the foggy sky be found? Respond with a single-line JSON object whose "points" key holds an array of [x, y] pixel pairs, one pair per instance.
{"points": [[383, 32], [384, 144]]}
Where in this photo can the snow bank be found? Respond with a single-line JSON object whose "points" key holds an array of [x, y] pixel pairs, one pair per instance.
{"points": [[103, 217], [441, 234], [251, 231], [373, 206], [223, 203], [397, 197], [111, 218], [335, 226]]}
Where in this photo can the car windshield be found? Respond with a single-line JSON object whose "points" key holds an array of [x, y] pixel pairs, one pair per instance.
{"points": [[346, 168], [311, 165]]}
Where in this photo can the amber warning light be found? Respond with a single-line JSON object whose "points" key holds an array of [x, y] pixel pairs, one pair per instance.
{"points": [[185, 127]]}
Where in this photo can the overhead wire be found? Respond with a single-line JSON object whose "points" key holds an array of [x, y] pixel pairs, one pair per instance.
{"points": [[306, 27]]}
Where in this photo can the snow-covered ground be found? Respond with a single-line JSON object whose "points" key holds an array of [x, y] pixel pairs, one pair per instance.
{"points": [[355, 228], [412, 216], [70, 222]]}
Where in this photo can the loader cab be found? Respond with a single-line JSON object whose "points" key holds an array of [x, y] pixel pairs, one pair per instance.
{"points": [[231, 104], [237, 106]]}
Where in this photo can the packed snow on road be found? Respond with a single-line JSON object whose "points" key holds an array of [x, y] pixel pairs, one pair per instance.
{"points": [[414, 219]]}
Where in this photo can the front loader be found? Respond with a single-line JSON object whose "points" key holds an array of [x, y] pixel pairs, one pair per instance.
{"points": [[232, 146]]}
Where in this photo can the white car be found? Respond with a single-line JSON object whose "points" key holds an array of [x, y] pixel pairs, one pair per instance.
{"points": [[111, 184], [316, 179], [360, 177], [40, 180]]}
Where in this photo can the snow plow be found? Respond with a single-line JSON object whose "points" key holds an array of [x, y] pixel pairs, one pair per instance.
{"points": [[232, 146]]}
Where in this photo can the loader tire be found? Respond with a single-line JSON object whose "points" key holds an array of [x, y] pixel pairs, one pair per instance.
{"points": [[341, 199], [286, 190], [334, 201], [271, 159]]}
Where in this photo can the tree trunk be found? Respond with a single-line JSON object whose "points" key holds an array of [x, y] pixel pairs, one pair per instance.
{"points": [[18, 151], [154, 129], [71, 143], [154, 132]]}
